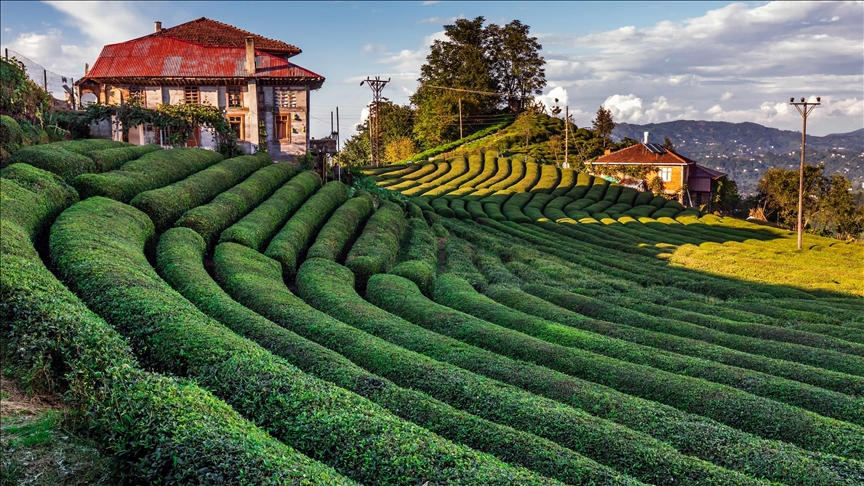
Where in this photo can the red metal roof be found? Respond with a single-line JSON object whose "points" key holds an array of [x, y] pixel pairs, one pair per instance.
{"points": [[211, 33], [639, 154], [165, 57]]}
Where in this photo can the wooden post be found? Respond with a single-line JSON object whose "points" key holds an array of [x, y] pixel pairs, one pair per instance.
{"points": [[460, 117], [45, 79], [567, 136]]}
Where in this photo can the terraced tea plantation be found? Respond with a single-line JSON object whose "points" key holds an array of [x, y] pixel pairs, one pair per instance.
{"points": [[236, 321]]}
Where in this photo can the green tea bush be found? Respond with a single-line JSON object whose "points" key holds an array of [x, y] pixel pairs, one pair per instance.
{"points": [[512, 209], [612, 193], [48, 157], [741, 451], [359, 438], [161, 430], [643, 198], [257, 228], [337, 233], [530, 179], [211, 219], [148, 172], [377, 248], [167, 204], [503, 169], [475, 210], [180, 258], [517, 173], [461, 296], [419, 260], [289, 246], [442, 207], [115, 158]]}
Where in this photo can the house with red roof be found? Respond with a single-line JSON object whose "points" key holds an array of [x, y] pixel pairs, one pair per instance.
{"points": [[694, 184], [264, 95]]}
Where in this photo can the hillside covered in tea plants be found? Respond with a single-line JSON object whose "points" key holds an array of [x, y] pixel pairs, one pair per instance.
{"points": [[474, 320]]}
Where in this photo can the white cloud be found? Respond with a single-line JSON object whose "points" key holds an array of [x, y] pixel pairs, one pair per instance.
{"points": [[752, 54], [558, 93], [374, 48], [440, 20], [430, 2], [105, 22]]}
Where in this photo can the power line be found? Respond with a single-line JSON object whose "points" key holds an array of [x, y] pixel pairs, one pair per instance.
{"points": [[377, 86]]}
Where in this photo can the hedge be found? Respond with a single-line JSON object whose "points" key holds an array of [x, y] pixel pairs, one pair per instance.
{"points": [[289, 246], [566, 183], [583, 185], [530, 179], [377, 248], [459, 260], [336, 235], [419, 259], [475, 210], [699, 436], [554, 209], [643, 198], [211, 219], [489, 168], [150, 171], [612, 193], [441, 206], [359, 438], [259, 280], [161, 430], [435, 151], [503, 170], [550, 177], [598, 189], [457, 205], [167, 204], [329, 288], [115, 158], [459, 295], [628, 325], [64, 163], [512, 209], [517, 173], [257, 228], [423, 203], [88, 145]]}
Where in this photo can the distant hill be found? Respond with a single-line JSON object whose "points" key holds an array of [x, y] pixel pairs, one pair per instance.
{"points": [[746, 150]]}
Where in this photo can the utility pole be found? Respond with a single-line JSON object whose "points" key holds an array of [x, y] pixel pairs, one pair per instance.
{"points": [[566, 136], [460, 117], [338, 146], [804, 108], [377, 86]]}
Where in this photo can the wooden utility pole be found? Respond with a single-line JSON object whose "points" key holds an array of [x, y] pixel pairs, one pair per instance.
{"points": [[460, 117], [566, 136], [377, 86], [804, 108]]}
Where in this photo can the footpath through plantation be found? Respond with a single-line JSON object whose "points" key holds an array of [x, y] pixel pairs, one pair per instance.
{"points": [[471, 320]]}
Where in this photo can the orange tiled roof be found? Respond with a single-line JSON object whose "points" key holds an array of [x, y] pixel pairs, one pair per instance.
{"points": [[217, 34], [639, 154]]}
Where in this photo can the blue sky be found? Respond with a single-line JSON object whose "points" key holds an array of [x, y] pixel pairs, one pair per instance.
{"points": [[646, 61]]}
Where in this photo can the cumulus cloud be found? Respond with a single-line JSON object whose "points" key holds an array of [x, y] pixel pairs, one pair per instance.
{"points": [[772, 51], [632, 109], [374, 48]]}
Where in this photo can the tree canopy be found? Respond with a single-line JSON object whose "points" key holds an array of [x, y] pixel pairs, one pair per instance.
{"points": [[603, 124]]}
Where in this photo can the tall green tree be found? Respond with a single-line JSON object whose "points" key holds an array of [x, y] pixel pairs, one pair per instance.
{"points": [[397, 122], [517, 66], [603, 124]]}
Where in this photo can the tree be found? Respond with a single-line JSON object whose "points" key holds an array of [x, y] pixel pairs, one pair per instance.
{"points": [[726, 197], [516, 63], [603, 124], [667, 144], [397, 121], [838, 215], [398, 150], [779, 189]]}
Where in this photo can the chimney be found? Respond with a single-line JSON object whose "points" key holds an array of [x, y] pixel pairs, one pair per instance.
{"points": [[250, 55], [86, 69], [607, 151], [158, 25], [645, 140]]}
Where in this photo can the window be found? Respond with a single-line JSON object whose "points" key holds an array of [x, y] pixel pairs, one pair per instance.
{"points": [[285, 98], [136, 94], [665, 174], [283, 127], [261, 103], [191, 95], [237, 125], [235, 97]]}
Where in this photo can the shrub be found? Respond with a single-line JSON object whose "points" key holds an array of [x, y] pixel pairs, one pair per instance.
{"points": [[475, 210], [460, 296], [419, 258], [566, 183], [359, 438], [115, 158], [435, 151], [151, 171], [503, 169], [89, 145], [180, 258], [530, 178], [335, 237], [211, 219], [166, 204], [612, 193], [258, 227], [64, 163], [289, 246], [740, 451], [441, 206], [161, 430], [377, 248]]}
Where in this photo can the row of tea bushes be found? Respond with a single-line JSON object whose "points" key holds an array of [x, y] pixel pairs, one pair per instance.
{"points": [[160, 430]]}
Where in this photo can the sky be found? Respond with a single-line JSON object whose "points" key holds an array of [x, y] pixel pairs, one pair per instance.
{"points": [[648, 62]]}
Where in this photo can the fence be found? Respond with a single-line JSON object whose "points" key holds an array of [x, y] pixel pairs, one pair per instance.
{"points": [[59, 85]]}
